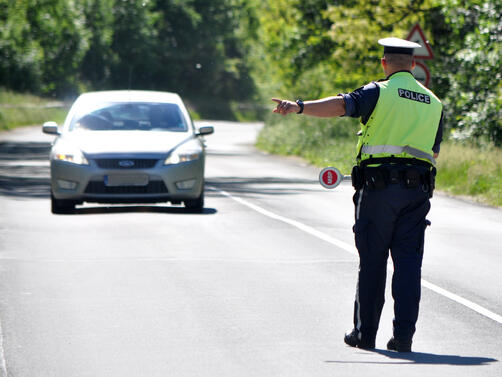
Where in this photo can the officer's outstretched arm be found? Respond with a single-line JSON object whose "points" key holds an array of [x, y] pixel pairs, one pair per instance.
{"points": [[324, 107]]}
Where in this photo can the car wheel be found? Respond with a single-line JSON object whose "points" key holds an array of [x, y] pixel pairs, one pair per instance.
{"points": [[59, 206], [195, 205]]}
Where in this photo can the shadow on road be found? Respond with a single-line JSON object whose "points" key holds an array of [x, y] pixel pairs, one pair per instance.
{"points": [[12, 151], [137, 209], [19, 179], [422, 358]]}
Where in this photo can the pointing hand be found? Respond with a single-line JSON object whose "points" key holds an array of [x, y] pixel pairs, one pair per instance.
{"points": [[285, 107]]}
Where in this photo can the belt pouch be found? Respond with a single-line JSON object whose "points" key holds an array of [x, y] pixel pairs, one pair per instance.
{"points": [[431, 174], [374, 178], [412, 178], [357, 177]]}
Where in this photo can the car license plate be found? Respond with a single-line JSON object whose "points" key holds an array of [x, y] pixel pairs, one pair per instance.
{"points": [[126, 180]]}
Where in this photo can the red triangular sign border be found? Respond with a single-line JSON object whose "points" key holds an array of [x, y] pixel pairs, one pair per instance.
{"points": [[423, 43]]}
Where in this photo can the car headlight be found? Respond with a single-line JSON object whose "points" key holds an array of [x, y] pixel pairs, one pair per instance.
{"points": [[74, 156], [188, 151]]}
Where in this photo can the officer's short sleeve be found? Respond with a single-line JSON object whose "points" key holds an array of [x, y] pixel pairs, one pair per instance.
{"points": [[362, 101]]}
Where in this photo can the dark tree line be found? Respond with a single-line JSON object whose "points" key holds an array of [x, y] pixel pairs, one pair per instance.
{"points": [[62, 47]]}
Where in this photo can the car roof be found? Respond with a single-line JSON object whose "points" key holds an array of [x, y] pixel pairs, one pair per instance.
{"points": [[130, 96]]}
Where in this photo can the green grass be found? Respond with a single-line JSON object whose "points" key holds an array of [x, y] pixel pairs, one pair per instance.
{"points": [[322, 142], [24, 109], [463, 170], [471, 171]]}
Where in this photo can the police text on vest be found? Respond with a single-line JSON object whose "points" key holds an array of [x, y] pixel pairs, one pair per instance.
{"points": [[419, 97]]}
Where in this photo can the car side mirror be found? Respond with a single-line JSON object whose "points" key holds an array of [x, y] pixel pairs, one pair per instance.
{"points": [[50, 128], [205, 130]]}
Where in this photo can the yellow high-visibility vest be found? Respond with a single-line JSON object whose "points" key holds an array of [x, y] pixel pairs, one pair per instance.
{"points": [[404, 122]]}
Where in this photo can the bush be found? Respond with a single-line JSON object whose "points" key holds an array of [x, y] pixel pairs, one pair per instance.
{"points": [[321, 141]]}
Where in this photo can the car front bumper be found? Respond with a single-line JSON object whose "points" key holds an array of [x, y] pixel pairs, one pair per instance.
{"points": [[159, 183]]}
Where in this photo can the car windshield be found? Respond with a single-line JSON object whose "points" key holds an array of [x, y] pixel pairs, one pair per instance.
{"points": [[130, 116]]}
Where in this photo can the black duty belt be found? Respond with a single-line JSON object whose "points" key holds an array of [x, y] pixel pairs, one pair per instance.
{"points": [[409, 173], [395, 160]]}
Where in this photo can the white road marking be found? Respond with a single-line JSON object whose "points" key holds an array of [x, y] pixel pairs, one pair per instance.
{"points": [[351, 249], [471, 305], [308, 229]]}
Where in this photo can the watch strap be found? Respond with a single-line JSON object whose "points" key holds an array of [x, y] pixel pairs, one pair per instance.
{"points": [[299, 102]]}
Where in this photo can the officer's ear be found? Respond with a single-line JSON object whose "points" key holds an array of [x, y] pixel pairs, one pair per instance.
{"points": [[384, 62], [413, 64]]}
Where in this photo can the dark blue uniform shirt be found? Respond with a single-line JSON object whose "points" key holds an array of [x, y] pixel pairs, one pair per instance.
{"points": [[362, 101]]}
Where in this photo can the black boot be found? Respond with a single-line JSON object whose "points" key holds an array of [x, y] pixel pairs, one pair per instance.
{"points": [[399, 346], [352, 339]]}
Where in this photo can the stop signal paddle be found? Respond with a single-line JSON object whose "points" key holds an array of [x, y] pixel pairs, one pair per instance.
{"points": [[330, 177]]}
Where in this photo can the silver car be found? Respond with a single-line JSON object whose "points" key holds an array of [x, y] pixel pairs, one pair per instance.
{"points": [[127, 147]]}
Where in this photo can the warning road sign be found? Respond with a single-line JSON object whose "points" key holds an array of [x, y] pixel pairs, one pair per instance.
{"points": [[421, 73], [417, 35]]}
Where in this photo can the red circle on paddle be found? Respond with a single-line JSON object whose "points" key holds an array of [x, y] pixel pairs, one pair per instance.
{"points": [[330, 177]]}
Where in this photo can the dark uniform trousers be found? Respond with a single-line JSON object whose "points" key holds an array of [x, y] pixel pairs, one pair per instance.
{"points": [[390, 218]]}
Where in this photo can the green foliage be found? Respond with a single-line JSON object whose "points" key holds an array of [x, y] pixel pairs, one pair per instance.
{"points": [[201, 48], [41, 45], [230, 52], [197, 48], [315, 48], [97, 63], [134, 45], [468, 71], [320, 141]]}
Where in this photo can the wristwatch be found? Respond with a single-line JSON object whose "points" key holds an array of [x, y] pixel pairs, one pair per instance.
{"points": [[299, 102]]}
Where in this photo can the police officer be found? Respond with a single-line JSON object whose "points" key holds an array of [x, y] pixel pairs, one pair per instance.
{"points": [[401, 130]]}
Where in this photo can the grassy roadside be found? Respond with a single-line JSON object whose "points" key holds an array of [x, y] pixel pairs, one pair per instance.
{"points": [[322, 142], [464, 170], [24, 109], [471, 171]]}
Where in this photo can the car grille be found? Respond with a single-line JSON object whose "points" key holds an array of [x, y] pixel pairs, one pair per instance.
{"points": [[133, 163], [153, 187]]}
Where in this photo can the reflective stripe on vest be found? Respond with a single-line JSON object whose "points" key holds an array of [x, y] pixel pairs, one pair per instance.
{"points": [[396, 149]]}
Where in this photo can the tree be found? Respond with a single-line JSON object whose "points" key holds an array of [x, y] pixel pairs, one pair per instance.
{"points": [[469, 73], [96, 66], [20, 55], [41, 44], [134, 45], [200, 46], [315, 48]]}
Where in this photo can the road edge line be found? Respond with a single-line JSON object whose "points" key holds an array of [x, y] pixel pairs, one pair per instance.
{"points": [[351, 249], [463, 301]]}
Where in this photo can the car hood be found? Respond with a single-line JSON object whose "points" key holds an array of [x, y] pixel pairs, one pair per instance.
{"points": [[126, 142]]}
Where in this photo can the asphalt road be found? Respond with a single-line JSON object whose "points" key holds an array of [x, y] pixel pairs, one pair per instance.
{"points": [[260, 284]]}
